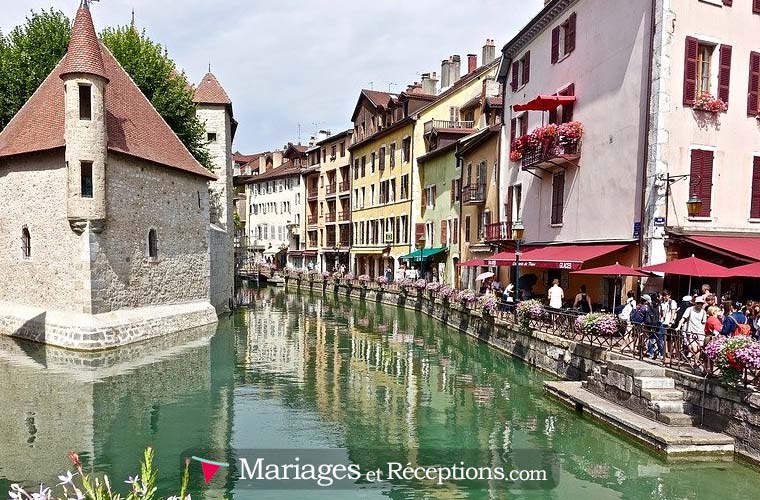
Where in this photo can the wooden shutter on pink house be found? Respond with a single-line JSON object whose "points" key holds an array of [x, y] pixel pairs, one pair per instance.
{"points": [[754, 83], [756, 6], [754, 211], [526, 68], [690, 71], [724, 73], [555, 44], [570, 34], [700, 180], [515, 76], [728, 3], [513, 134]]}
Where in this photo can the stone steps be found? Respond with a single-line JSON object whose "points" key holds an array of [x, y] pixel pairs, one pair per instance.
{"points": [[654, 382]]}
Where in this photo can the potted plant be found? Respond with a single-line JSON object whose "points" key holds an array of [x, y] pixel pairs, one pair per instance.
{"points": [[732, 355], [709, 104], [381, 281], [364, 280], [528, 310], [432, 288], [444, 292]]}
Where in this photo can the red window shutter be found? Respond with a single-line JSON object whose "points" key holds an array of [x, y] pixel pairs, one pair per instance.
{"points": [[510, 197], [701, 178], [558, 198], [754, 83], [513, 133], [419, 231], [453, 186], [754, 211], [756, 6], [728, 3], [724, 73], [570, 34], [567, 109], [524, 124], [443, 232], [690, 71], [526, 68], [515, 76], [555, 44]]}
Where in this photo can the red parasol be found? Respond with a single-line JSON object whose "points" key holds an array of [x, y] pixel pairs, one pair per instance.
{"points": [[690, 266], [748, 270], [613, 270]]}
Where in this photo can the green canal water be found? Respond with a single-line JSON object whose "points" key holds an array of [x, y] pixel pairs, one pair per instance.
{"points": [[302, 372]]}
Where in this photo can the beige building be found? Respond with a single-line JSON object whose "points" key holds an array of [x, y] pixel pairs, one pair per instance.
{"points": [[105, 225]]}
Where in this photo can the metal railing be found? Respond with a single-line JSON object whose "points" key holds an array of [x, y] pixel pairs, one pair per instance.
{"points": [[311, 220], [474, 193], [498, 231], [543, 153], [345, 215], [344, 186], [330, 217], [312, 193], [438, 124], [331, 189]]}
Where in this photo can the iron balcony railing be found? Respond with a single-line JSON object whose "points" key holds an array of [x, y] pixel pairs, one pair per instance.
{"points": [[345, 215], [311, 220], [331, 189], [312, 193], [558, 148], [474, 193], [330, 217], [344, 186], [448, 124], [498, 231]]}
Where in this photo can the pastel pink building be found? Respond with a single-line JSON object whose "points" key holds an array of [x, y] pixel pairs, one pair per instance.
{"points": [[648, 82]]}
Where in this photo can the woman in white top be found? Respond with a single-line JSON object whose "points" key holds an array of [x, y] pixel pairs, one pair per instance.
{"points": [[693, 326], [556, 295]]}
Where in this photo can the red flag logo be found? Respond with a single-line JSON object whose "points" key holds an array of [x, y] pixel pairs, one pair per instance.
{"points": [[209, 467]]}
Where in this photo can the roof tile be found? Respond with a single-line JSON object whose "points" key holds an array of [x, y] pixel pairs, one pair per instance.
{"points": [[83, 54], [210, 91]]}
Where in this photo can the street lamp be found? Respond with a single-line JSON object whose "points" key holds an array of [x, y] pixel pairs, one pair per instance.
{"points": [[518, 231], [693, 204]]}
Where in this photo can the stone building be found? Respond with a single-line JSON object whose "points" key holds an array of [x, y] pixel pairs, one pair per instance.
{"points": [[214, 109], [104, 233]]}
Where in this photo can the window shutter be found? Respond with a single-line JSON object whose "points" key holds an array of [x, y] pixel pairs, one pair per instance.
{"points": [[728, 3], [570, 34], [553, 115], [526, 68], [455, 231], [524, 124], [756, 6], [513, 133], [419, 231], [443, 232], [724, 73], [690, 71], [453, 186], [555, 44], [510, 198], [424, 197], [558, 198], [701, 178], [515, 70], [754, 83], [435, 194], [754, 211]]}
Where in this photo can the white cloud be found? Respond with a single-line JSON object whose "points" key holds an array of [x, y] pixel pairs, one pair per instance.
{"points": [[287, 62]]}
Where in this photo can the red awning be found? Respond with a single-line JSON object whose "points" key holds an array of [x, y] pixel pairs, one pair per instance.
{"points": [[747, 271], [614, 270], [545, 103], [473, 263], [570, 257], [743, 246]]}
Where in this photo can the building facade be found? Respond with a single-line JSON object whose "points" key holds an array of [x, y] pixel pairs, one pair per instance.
{"points": [[106, 211]]}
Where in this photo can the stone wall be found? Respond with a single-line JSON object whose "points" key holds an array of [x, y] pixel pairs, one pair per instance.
{"points": [[141, 197], [222, 266], [54, 276]]}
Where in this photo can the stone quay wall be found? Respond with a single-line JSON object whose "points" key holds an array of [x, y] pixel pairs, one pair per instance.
{"points": [[732, 410]]}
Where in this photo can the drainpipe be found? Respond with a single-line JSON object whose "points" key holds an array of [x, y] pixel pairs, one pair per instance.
{"points": [[647, 129]]}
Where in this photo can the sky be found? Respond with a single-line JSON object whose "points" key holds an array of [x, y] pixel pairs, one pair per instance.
{"points": [[288, 62]]}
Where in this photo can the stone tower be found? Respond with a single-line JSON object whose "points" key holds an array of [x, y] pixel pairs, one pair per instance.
{"points": [[85, 132], [214, 109]]}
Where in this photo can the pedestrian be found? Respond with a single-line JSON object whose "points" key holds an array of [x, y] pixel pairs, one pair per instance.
{"points": [[556, 295], [686, 302], [389, 274], [693, 327], [583, 301], [628, 307], [735, 323], [668, 311], [712, 325]]}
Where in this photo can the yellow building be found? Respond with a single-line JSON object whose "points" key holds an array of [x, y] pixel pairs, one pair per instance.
{"points": [[381, 178], [461, 110]]}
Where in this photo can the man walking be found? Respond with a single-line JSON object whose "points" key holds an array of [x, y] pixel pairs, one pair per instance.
{"points": [[668, 310]]}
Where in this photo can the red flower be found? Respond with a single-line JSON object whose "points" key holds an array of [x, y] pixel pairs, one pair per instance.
{"points": [[75, 459]]}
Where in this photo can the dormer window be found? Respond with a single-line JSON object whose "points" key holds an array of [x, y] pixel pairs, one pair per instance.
{"points": [[85, 102]]}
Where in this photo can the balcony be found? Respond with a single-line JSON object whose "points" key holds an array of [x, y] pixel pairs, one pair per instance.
{"points": [[498, 231], [331, 189], [312, 193], [311, 220], [559, 152], [448, 125], [345, 187], [474, 194], [345, 216], [330, 217]]}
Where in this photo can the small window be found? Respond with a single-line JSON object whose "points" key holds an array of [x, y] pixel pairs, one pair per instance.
{"points": [[558, 198], [211, 136], [85, 102], [26, 243], [152, 244], [86, 179], [704, 68]]}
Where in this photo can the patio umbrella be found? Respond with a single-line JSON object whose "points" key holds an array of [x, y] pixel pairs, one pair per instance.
{"points": [[484, 276], [617, 270], [690, 266], [747, 270]]}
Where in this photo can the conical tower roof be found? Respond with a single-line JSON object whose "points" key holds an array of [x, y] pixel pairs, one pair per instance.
{"points": [[210, 91], [84, 54]]}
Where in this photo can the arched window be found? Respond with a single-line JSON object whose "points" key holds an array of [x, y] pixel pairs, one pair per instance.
{"points": [[152, 244], [26, 243]]}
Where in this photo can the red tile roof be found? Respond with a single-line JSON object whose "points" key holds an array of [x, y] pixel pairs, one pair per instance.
{"points": [[210, 91], [239, 157], [134, 126], [83, 55], [380, 99], [286, 169]]}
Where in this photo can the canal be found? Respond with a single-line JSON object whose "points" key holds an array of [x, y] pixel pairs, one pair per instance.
{"points": [[302, 372]]}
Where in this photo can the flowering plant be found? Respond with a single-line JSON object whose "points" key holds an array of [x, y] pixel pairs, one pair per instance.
{"points": [[530, 309], [364, 279], [725, 352], [314, 274], [515, 155], [381, 280], [546, 133], [433, 286], [709, 103], [488, 303], [468, 297], [406, 283], [454, 296], [445, 291], [326, 275], [348, 277], [749, 356], [420, 284], [598, 324], [570, 130]]}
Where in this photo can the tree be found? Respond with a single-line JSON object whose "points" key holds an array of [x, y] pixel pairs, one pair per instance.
{"points": [[167, 89], [30, 52]]}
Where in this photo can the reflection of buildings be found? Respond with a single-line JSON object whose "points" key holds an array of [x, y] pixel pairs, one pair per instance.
{"points": [[110, 406]]}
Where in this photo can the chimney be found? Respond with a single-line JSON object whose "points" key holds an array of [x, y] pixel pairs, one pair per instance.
{"points": [[445, 75], [429, 84], [472, 62], [489, 51], [454, 69]]}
